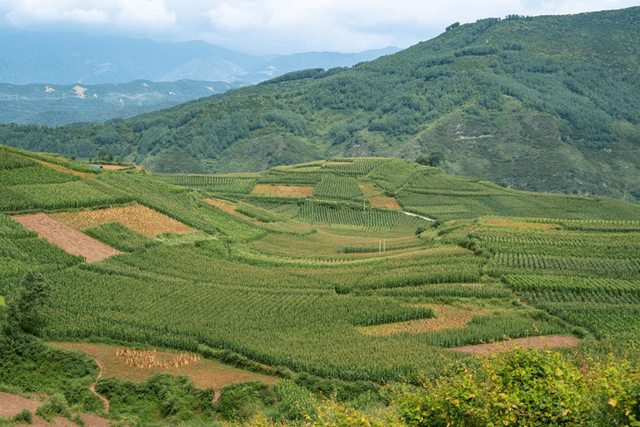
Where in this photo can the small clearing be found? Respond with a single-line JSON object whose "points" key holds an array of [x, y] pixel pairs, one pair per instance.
{"points": [[385, 202], [448, 317], [503, 223], [11, 405], [540, 343], [136, 217], [282, 190], [228, 208], [61, 168], [71, 240], [113, 167], [204, 373]]}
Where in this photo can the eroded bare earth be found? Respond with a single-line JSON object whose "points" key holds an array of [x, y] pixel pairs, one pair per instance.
{"points": [[69, 239], [531, 342]]}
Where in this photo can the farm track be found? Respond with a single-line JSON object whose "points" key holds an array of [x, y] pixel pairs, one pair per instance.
{"points": [[92, 388]]}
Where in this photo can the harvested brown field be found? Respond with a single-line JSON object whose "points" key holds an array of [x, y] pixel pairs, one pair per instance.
{"points": [[112, 167], [540, 343], [504, 223], [148, 359], [205, 373], [282, 190], [11, 405], [385, 202], [63, 169], [227, 207], [448, 318], [137, 217], [69, 239], [338, 163]]}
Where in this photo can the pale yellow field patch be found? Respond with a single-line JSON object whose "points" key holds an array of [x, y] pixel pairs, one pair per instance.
{"points": [[137, 218]]}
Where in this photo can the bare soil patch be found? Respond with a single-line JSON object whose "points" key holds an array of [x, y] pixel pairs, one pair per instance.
{"points": [[63, 169], [137, 217], [282, 190], [205, 373], [448, 318], [227, 207], [113, 167], [385, 202], [11, 405], [69, 239], [533, 342], [503, 223], [338, 163]]}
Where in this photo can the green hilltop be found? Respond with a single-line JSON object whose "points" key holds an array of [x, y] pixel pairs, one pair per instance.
{"points": [[339, 276], [546, 103]]}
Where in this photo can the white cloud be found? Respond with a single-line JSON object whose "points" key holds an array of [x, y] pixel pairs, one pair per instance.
{"points": [[144, 13], [282, 26]]}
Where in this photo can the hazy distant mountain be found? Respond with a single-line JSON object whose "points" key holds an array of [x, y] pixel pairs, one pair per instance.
{"points": [[67, 58], [53, 105]]}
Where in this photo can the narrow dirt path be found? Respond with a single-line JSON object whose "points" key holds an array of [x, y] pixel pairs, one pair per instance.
{"points": [[92, 388]]}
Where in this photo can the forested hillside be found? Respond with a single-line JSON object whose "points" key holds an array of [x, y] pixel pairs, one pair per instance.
{"points": [[547, 104]]}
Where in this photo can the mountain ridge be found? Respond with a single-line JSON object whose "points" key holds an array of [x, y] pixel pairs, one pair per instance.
{"points": [[69, 58], [545, 104]]}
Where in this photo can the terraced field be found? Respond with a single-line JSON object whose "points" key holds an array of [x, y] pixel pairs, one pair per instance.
{"points": [[330, 283]]}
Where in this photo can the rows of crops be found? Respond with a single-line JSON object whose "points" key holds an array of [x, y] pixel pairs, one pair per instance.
{"points": [[419, 269], [499, 201], [505, 263], [584, 272], [34, 175], [354, 166], [57, 196], [337, 187], [9, 160], [13, 229], [182, 206], [369, 218], [120, 237], [291, 177], [22, 253], [213, 183], [560, 242]]}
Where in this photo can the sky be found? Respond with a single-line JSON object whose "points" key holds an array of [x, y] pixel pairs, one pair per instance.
{"points": [[279, 26]]}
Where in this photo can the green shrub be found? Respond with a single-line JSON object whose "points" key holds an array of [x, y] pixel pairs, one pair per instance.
{"points": [[24, 416], [528, 388], [54, 406], [239, 402], [296, 402]]}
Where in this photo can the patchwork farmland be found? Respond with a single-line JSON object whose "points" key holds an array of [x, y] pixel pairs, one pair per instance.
{"points": [[318, 270]]}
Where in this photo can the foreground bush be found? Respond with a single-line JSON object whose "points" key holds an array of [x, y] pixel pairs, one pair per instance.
{"points": [[528, 388]]}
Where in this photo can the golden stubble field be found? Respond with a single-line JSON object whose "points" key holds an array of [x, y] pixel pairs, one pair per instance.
{"points": [[135, 217]]}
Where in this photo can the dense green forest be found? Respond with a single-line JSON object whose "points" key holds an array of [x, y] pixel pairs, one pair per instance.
{"points": [[548, 104]]}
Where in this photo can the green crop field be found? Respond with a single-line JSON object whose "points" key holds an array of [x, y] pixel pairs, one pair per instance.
{"points": [[331, 285]]}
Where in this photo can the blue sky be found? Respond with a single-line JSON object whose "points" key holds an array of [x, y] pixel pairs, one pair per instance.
{"points": [[279, 26]]}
